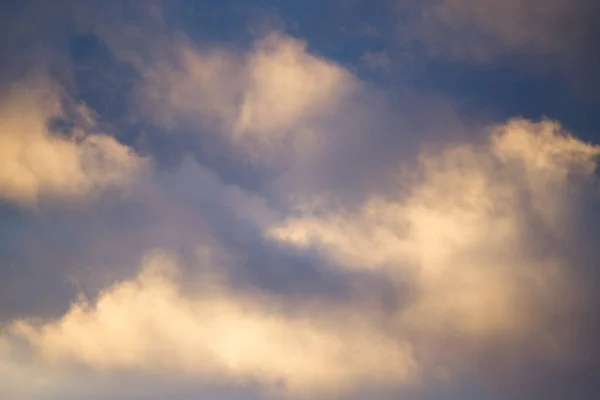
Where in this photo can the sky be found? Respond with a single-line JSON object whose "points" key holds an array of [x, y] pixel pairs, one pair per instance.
{"points": [[283, 199]]}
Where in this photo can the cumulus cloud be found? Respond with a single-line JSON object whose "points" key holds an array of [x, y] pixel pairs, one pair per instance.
{"points": [[479, 232], [338, 272], [35, 162], [473, 244], [260, 99], [214, 333]]}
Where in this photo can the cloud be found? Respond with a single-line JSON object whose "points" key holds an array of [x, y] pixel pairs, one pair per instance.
{"points": [[481, 233], [260, 99], [214, 333], [482, 31], [477, 266], [377, 61], [474, 244], [51, 253], [37, 163]]}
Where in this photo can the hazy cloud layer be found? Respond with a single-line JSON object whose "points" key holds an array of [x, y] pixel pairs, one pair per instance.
{"points": [[482, 31]]}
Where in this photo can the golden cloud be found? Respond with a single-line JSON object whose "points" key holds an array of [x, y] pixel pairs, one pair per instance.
{"points": [[35, 162], [466, 234], [463, 240], [216, 334], [259, 99]]}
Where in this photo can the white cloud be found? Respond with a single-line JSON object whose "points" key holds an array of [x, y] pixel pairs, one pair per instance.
{"points": [[261, 100], [217, 334], [467, 244], [466, 234], [35, 162], [288, 85], [463, 240]]}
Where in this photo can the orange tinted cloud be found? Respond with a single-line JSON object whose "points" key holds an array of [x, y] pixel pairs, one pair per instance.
{"points": [[216, 334], [465, 233], [260, 100], [34, 162]]}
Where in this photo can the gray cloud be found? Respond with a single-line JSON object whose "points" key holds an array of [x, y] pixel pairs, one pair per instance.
{"points": [[484, 30]]}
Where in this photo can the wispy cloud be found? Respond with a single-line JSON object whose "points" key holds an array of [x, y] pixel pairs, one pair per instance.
{"points": [[482, 31]]}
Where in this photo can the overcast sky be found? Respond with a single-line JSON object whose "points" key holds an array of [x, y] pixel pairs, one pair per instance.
{"points": [[285, 199]]}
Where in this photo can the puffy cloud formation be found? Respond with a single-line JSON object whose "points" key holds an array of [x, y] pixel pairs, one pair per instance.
{"points": [[215, 334], [479, 232], [34, 162], [260, 100], [333, 272], [472, 243]]}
